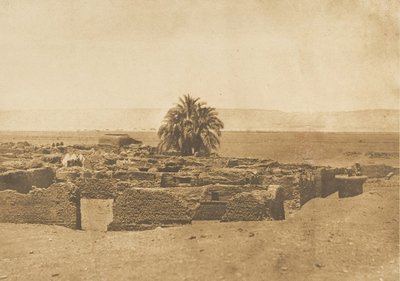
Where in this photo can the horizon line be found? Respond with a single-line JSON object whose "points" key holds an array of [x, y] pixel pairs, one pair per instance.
{"points": [[231, 130], [217, 108]]}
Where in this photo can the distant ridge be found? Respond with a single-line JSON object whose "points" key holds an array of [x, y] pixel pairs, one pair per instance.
{"points": [[375, 120]]}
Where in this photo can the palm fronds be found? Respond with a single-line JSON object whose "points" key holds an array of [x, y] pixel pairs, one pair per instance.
{"points": [[190, 127]]}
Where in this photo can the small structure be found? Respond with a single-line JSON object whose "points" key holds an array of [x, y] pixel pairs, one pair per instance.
{"points": [[117, 140], [349, 186]]}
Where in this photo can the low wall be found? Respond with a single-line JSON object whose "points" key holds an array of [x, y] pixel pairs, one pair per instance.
{"points": [[172, 179], [102, 188], [325, 182], [226, 192], [256, 205], [212, 210], [97, 188], [228, 176], [307, 187], [139, 176], [136, 208], [23, 180], [377, 171], [58, 204]]}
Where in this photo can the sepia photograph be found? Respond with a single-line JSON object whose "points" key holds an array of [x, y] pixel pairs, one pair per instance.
{"points": [[184, 140]]}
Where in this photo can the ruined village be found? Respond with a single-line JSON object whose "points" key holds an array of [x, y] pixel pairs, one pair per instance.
{"points": [[246, 140], [123, 184]]}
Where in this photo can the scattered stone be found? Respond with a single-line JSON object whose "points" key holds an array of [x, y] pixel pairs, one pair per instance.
{"points": [[251, 234], [71, 160], [319, 265], [192, 237], [232, 163], [388, 176], [55, 274]]}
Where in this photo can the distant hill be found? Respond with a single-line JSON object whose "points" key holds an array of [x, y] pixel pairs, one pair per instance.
{"points": [[379, 120]]}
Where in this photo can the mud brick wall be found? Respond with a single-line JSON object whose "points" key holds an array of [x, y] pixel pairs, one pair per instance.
{"points": [[213, 210], [102, 188], [168, 180], [228, 176], [325, 181], [350, 186], [151, 178], [256, 205], [307, 187], [68, 174], [289, 183], [226, 192], [291, 187], [55, 205], [377, 171], [23, 180], [136, 207], [143, 176], [275, 198], [174, 179]]}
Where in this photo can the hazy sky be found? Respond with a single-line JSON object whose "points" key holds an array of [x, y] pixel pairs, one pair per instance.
{"points": [[294, 55]]}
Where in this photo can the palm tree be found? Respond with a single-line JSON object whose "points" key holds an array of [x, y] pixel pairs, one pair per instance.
{"points": [[190, 127]]}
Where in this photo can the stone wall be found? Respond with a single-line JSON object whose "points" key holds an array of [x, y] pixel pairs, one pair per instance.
{"points": [[57, 204]]}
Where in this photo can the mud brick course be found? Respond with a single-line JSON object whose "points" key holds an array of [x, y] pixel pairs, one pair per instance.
{"points": [[57, 204], [212, 210], [256, 205], [135, 208], [377, 171], [325, 181], [23, 180]]}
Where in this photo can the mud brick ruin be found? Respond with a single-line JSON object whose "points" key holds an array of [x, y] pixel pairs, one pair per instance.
{"points": [[134, 188]]}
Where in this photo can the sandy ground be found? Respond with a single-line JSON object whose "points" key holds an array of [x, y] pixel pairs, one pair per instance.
{"points": [[329, 239]]}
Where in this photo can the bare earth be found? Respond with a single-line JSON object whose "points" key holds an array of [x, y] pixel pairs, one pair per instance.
{"points": [[328, 239]]}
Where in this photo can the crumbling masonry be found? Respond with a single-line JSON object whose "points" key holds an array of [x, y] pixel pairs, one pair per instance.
{"points": [[148, 189]]}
